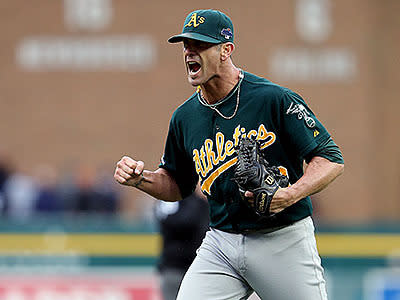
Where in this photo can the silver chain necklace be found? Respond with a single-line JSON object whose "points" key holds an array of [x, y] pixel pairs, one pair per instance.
{"points": [[214, 106]]}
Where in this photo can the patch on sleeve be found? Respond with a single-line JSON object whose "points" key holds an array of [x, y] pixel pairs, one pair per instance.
{"points": [[302, 113]]}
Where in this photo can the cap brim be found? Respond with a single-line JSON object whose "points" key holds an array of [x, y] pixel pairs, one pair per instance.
{"points": [[194, 36]]}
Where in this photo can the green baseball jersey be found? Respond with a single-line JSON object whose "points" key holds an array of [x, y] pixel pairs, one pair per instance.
{"points": [[200, 148]]}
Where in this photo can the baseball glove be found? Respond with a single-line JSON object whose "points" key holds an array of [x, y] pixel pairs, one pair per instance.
{"points": [[253, 173]]}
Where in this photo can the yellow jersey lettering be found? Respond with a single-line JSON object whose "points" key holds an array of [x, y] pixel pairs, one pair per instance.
{"points": [[229, 150], [220, 147], [211, 159], [265, 135], [197, 163], [252, 133], [236, 135], [214, 152], [206, 185], [262, 132], [202, 159], [271, 139]]}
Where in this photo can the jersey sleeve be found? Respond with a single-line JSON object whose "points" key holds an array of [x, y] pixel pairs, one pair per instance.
{"points": [[326, 149], [299, 126], [177, 162]]}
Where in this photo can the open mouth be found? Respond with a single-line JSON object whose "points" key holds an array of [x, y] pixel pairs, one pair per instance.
{"points": [[193, 67]]}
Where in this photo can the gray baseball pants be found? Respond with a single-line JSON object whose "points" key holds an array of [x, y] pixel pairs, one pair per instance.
{"points": [[281, 265]]}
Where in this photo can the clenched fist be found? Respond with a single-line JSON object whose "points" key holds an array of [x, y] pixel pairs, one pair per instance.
{"points": [[129, 171]]}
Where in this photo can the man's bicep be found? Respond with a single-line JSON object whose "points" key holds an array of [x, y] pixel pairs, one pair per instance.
{"points": [[184, 177], [167, 184], [164, 172]]}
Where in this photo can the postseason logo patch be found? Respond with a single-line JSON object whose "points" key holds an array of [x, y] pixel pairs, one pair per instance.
{"points": [[227, 33]]}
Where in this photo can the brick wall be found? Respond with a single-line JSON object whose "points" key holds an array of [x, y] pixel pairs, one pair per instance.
{"points": [[59, 114]]}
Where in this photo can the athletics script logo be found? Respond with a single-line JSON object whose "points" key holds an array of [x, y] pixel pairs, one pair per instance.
{"points": [[208, 159]]}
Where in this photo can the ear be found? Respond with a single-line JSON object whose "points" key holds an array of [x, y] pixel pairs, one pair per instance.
{"points": [[226, 50]]}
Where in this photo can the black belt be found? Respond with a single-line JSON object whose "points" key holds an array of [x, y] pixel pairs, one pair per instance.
{"points": [[255, 230]]}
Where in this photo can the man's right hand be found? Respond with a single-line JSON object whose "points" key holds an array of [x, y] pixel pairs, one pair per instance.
{"points": [[129, 171]]}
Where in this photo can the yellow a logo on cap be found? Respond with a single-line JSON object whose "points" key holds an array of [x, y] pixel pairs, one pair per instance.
{"points": [[195, 21]]}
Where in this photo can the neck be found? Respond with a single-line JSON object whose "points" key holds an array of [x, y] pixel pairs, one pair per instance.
{"points": [[219, 86]]}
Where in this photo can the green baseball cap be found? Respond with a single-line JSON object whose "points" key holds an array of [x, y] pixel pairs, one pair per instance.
{"points": [[211, 26]]}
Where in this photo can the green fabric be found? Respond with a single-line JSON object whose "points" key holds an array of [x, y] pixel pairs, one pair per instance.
{"points": [[327, 149], [200, 146], [208, 25]]}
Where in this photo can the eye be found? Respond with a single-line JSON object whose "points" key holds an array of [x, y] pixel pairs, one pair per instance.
{"points": [[187, 45]]}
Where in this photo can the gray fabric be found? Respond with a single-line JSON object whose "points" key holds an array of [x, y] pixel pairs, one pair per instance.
{"points": [[282, 265]]}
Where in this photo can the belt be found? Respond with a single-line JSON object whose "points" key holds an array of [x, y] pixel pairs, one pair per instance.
{"points": [[255, 230]]}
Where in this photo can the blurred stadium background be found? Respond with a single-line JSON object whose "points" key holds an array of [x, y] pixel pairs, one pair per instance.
{"points": [[84, 82]]}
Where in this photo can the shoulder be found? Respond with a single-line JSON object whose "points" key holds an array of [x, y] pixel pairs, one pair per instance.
{"points": [[183, 111], [266, 89]]}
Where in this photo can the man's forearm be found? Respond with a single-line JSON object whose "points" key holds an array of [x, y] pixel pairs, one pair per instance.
{"points": [[317, 175], [159, 184]]}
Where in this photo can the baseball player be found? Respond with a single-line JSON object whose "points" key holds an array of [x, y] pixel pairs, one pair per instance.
{"points": [[274, 254]]}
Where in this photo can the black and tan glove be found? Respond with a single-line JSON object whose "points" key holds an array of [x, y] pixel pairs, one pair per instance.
{"points": [[253, 173]]}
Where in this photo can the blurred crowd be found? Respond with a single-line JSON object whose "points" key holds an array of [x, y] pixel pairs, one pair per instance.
{"points": [[78, 188]]}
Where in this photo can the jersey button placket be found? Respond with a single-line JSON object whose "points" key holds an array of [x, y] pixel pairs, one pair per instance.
{"points": [[216, 127]]}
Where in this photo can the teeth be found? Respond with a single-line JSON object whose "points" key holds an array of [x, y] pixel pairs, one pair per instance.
{"points": [[191, 65]]}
